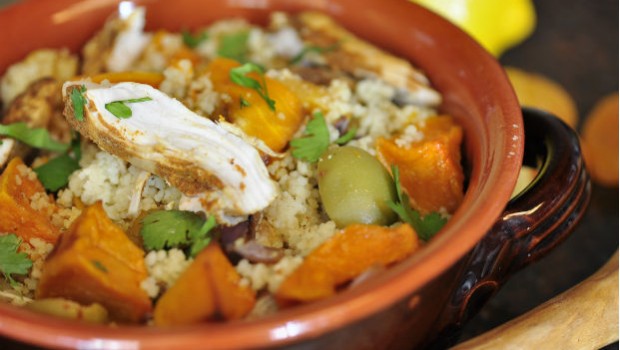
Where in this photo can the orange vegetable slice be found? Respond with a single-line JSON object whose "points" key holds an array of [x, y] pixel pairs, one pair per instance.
{"points": [[344, 256], [253, 116], [208, 289], [151, 78], [430, 169], [95, 262], [600, 141], [18, 185], [535, 90]]}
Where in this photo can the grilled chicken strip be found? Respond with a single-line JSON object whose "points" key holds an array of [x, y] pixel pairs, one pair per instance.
{"points": [[218, 171]]}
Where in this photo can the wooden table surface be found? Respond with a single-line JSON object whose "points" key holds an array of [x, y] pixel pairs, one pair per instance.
{"points": [[576, 44]]}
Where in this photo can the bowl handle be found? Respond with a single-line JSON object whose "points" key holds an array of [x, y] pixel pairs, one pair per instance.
{"points": [[535, 221]]}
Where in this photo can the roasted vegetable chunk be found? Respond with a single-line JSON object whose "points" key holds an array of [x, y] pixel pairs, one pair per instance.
{"points": [[95, 262], [18, 186], [343, 257], [430, 169], [209, 289], [249, 110]]}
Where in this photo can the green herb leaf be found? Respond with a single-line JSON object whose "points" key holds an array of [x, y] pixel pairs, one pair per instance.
{"points": [[243, 102], [120, 109], [238, 76], [426, 227], [348, 136], [79, 101], [99, 265], [165, 229], [202, 238], [54, 174], [315, 141], [234, 46], [35, 137], [193, 41], [312, 48], [12, 262]]}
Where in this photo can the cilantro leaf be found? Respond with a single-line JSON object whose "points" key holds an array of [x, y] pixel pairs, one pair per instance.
{"points": [[238, 76], [201, 238], [12, 262], [243, 102], [426, 227], [315, 141], [312, 48], [165, 229], [234, 46], [348, 136], [78, 100], [54, 174], [120, 109], [193, 41], [35, 137]]}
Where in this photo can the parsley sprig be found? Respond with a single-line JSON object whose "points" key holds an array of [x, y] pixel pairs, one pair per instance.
{"points": [[315, 141], [234, 46], [54, 174], [426, 227], [164, 229], [120, 109], [34, 137], [239, 76], [12, 262]]}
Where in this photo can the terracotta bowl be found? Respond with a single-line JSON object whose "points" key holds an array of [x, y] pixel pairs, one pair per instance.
{"points": [[421, 301]]}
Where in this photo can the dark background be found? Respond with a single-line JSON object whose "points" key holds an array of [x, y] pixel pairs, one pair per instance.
{"points": [[575, 43]]}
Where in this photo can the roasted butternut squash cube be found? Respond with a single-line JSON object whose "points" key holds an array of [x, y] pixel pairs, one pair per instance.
{"points": [[209, 289], [250, 112], [344, 256], [18, 185], [430, 169], [95, 262]]}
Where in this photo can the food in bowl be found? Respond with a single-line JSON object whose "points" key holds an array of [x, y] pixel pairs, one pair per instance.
{"points": [[225, 173]]}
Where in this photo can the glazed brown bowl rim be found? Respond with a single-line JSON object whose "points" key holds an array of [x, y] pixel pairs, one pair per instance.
{"points": [[493, 180]]}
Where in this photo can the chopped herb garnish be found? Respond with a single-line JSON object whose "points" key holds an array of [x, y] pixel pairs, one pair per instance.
{"points": [[166, 229], [34, 137], [348, 136], [99, 265], [315, 141], [120, 108], [12, 262], [54, 174], [79, 101], [426, 227], [193, 41], [202, 238], [234, 46], [243, 102], [239, 76], [312, 48]]}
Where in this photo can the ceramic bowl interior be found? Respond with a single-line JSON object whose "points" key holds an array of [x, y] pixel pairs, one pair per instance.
{"points": [[475, 90]]}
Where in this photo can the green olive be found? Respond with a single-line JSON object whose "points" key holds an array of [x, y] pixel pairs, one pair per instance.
{"points": [[355, 187], [69, 309]]}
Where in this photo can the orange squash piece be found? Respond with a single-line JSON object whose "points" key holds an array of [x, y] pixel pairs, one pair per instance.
{"points": [[254, 117], [151, 78], [344, 256], [430, 169], [95, 262], [209, 289], [16, 214]]}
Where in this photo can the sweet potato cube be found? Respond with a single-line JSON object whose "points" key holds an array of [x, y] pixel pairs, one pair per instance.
{"points": [[344, 256], [95, 262], [430, 169], [250, 112], [209, 289], [18, 184]]}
